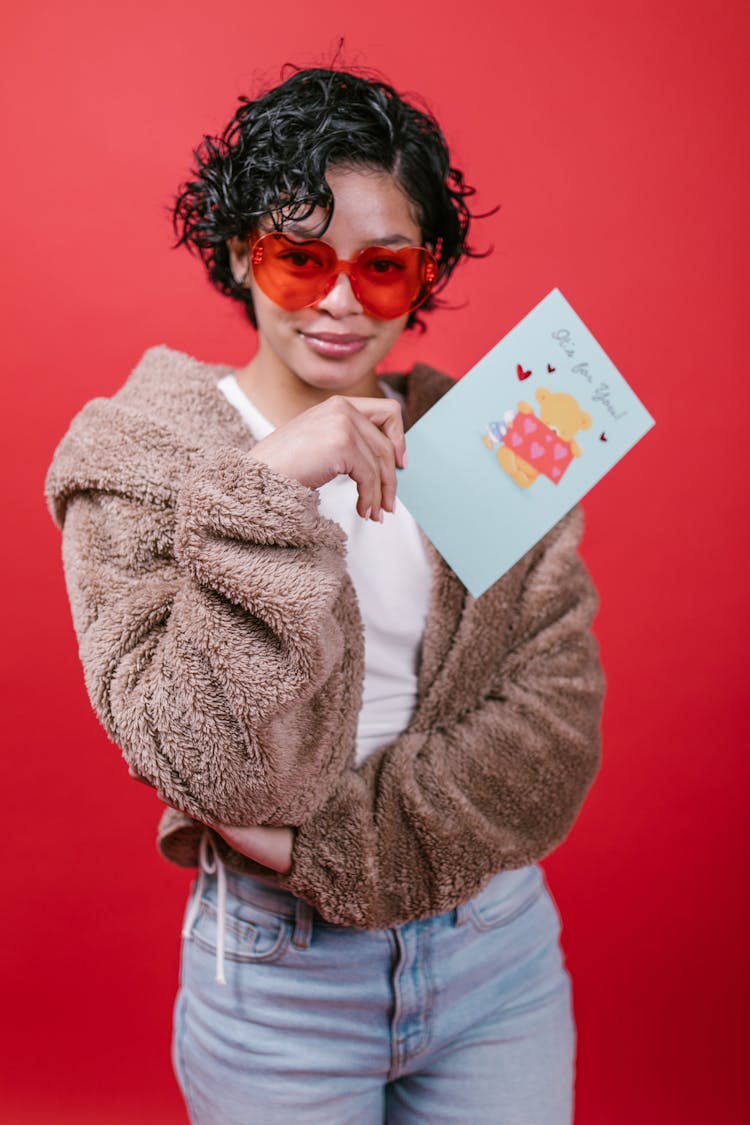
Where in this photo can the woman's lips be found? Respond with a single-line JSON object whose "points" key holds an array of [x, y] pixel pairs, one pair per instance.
{"points": [[334, 345]]}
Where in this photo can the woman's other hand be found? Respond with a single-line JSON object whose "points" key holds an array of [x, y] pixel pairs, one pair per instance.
{"points": [[362, 438], [271, 847]]}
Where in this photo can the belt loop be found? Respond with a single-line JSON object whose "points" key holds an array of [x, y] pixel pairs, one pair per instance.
{"points": [[303, 924], [462, 914]]}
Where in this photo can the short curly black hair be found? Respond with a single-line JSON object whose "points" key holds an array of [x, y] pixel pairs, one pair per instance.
{"points": [[271, 161]]}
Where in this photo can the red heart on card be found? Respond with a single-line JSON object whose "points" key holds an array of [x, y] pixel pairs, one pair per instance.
{"points": [[550, 368], [521, 373], [602, 436]]}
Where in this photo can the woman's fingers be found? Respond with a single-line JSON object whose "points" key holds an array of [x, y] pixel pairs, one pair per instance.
{"points": [[366, 474], [271, 847], [375, 472], [385, 414], [383, 429]]}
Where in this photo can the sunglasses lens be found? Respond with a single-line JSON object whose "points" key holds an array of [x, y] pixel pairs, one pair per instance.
{"points": [[290, 273], [392, 283]]}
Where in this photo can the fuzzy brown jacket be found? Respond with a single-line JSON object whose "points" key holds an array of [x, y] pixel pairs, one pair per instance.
{"points": [[223, 649]]}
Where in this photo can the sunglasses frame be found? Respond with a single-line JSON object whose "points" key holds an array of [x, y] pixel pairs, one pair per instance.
{"points": [[348, 266]]}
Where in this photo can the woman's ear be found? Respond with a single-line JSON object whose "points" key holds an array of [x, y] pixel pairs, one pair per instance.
{"points": [[239, 259]]}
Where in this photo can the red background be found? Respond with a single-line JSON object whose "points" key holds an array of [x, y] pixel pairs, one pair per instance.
{"points": [[611, 135]]}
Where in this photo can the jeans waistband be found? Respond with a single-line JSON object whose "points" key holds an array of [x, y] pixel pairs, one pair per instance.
{"points": [[509, 885]]}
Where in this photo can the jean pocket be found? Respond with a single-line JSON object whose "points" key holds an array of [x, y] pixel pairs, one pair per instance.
{"points": [[251, 934], [505, 898]]}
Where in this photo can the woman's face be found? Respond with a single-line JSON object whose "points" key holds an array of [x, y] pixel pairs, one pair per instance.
{"points": [[334, 346]]}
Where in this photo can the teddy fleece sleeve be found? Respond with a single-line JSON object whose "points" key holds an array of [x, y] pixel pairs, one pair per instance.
{"points": [[204, 593], [424, 822]]}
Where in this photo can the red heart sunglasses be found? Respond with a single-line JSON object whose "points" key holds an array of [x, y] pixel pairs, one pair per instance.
{"points": [[387, 283]]}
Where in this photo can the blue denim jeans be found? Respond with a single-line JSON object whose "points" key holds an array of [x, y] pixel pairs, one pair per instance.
{"points": [[462, 1017]]}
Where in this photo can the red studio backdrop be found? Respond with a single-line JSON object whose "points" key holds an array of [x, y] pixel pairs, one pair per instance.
{"points": [[611, 136]]}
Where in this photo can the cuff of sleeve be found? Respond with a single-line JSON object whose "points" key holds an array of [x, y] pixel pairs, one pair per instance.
{"points": [[231, 494], [256, 537], [178, 838], [331, 868]]}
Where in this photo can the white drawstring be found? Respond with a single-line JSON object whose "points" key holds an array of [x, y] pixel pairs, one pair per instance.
{"points": [[210, 866]]}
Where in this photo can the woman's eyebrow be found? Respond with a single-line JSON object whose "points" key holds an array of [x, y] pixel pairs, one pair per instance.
{"points": [[298, 230], [393, 240]]}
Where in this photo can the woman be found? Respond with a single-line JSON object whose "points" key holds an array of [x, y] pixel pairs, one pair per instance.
{"points": [[364, 762]]}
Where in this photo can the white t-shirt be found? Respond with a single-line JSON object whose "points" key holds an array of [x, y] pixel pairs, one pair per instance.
{"points": [[389, 568]]}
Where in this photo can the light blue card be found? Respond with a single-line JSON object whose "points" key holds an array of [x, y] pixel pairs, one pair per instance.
{"points": [[518, 442]]}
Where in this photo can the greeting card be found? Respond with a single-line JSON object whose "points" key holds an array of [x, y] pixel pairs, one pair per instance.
{"points": [[518, 442]]}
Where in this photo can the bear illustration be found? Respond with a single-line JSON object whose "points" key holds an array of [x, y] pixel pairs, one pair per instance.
{"points": [[546, 444]]}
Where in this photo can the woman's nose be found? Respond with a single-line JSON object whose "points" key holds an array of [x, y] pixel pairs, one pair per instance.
{"points": [[341, 299]]}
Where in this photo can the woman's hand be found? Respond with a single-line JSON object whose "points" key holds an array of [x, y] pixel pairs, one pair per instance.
{"points": [[362, 438], [271, 847]]}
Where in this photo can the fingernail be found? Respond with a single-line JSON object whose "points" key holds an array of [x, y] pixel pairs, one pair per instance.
{"points": [[380, 516], [367, 514], [405, 460]]}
